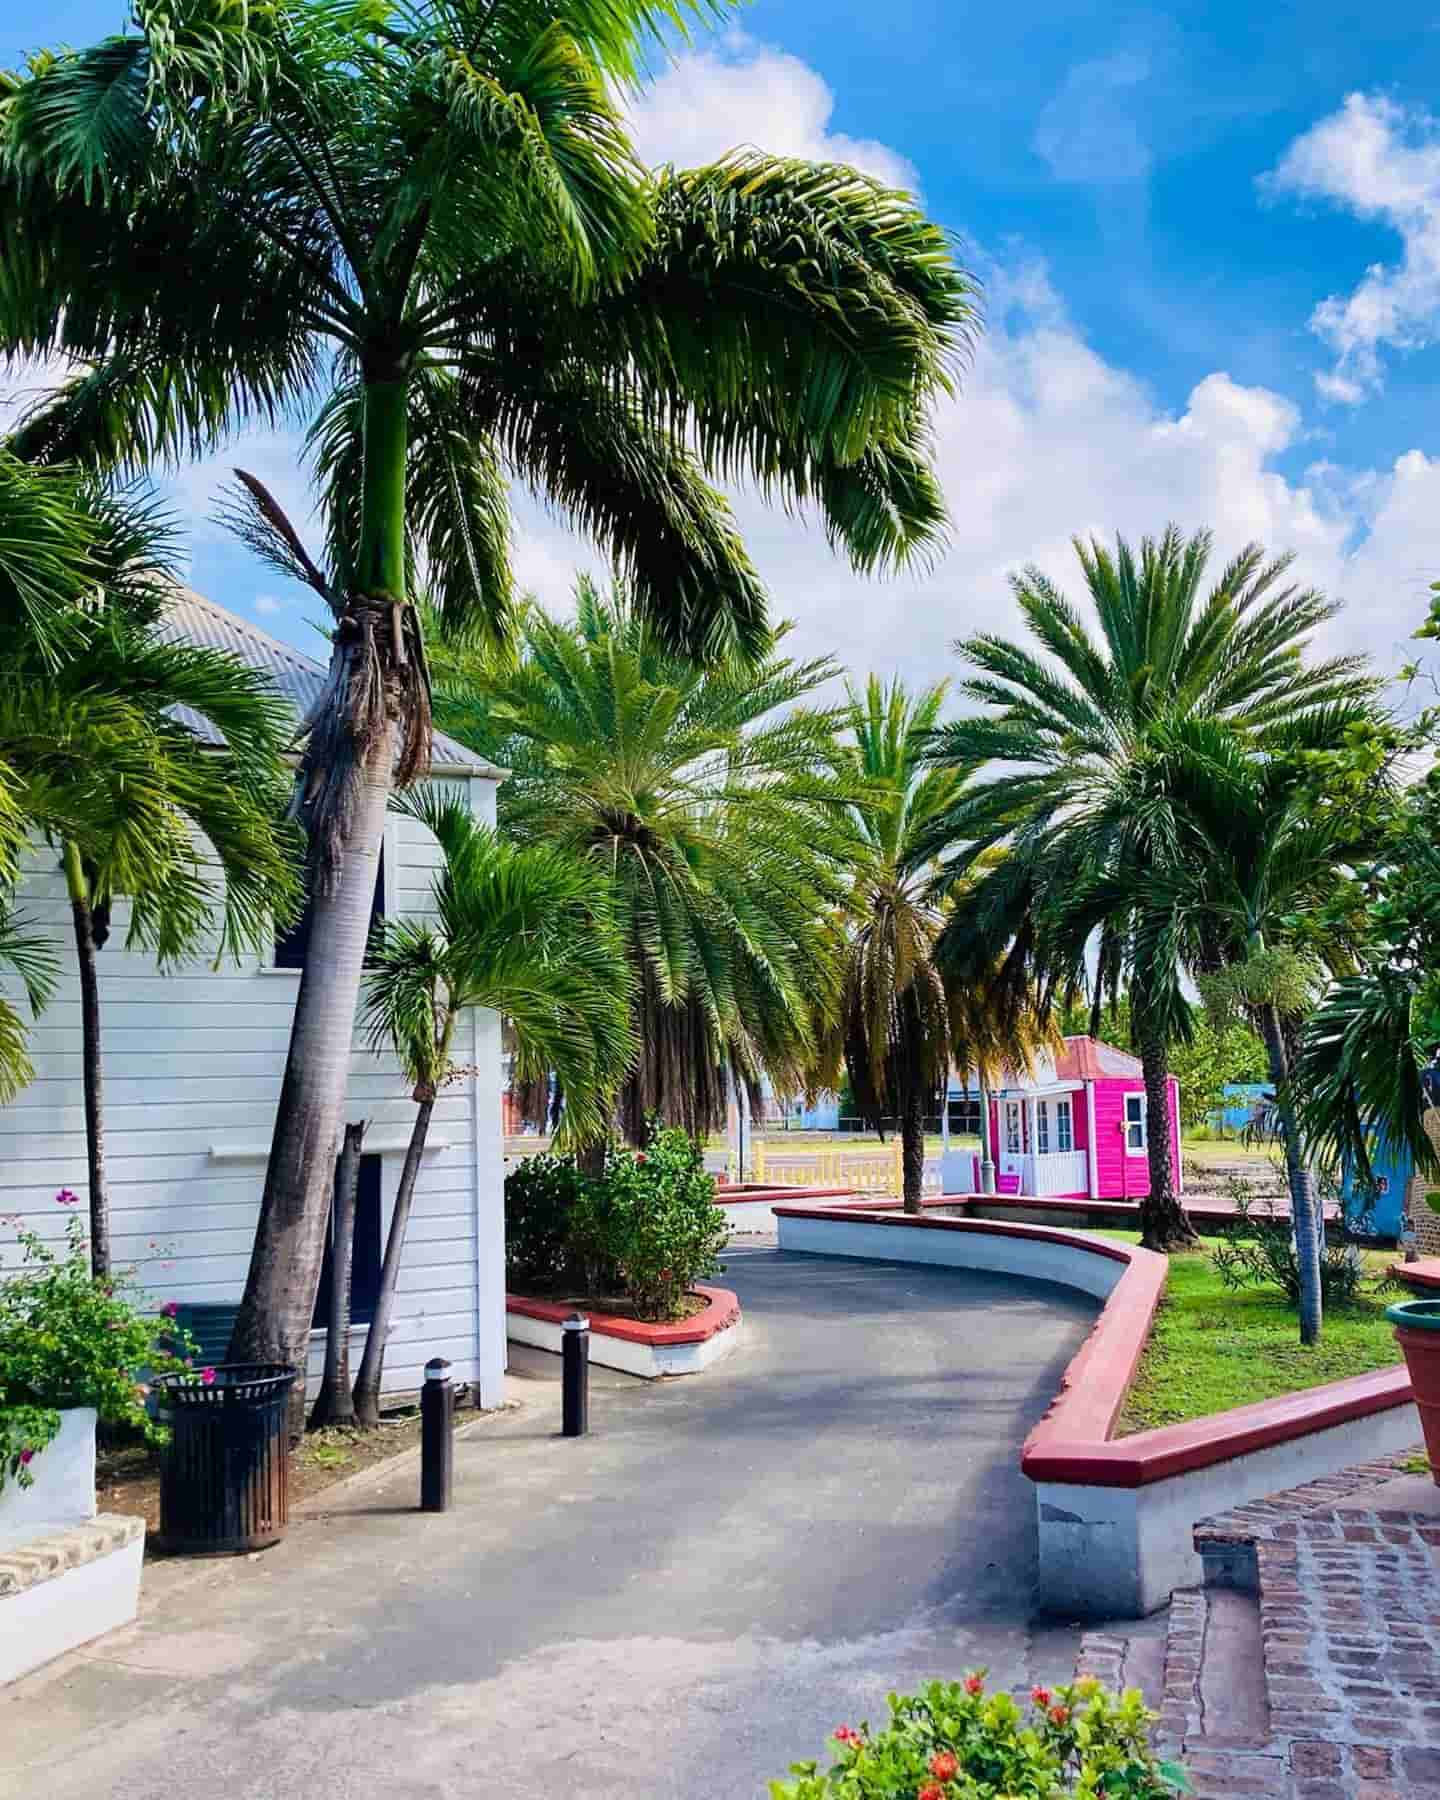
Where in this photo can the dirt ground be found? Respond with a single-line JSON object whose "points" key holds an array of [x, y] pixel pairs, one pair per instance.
{"points": [[127, 1478]]}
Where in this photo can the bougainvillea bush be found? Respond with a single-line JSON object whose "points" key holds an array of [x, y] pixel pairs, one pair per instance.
{"points": [[956, 1741], [70, 1338]]}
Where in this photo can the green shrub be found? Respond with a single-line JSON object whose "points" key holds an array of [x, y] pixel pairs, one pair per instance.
{"points": [[1259, 1250], [953, 1741], [68, 1338], [653, 1221], [540, 1197]]}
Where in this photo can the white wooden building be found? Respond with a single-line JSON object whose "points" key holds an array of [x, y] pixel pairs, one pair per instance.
{"points": [[193, 1061]]}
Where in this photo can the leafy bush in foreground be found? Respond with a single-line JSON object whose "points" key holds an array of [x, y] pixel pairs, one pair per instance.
{"points": [[953, 1741], [653, 1219]]}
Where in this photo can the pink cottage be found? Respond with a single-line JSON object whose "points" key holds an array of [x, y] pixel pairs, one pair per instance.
{"points": [[1076, 1129]]}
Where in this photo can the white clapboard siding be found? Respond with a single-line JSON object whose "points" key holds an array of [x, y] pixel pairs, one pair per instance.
{"points": [[194, 1059]]}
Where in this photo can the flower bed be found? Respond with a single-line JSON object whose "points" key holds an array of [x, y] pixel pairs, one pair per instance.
{"points": [[637, 1346]]}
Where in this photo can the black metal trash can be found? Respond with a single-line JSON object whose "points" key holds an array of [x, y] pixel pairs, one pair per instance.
{"points": [[224, 1475]]}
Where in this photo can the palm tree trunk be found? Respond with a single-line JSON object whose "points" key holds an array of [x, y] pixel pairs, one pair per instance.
{"points": [[372, 1363], [1303, 1210], [987, 1155], [1163, 1222], [334, 1405], [912, 1150], [92, 1067], [273, 1323]]}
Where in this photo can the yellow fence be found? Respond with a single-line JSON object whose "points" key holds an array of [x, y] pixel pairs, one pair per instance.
{"points": [[874, 1171]]}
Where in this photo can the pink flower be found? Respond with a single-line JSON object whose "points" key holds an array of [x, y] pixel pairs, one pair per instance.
{"points": [[26, 1456], [66, 1198], [973, 1685], [846, 1734], [170, 1309], [207, 1377]]}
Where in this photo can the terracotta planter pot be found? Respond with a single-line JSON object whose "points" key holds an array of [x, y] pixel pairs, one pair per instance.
{"points": [[1417, 1330]]}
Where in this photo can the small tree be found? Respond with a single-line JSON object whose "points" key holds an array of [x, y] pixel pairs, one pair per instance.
{"points": [[516, 929], [101, 735]]}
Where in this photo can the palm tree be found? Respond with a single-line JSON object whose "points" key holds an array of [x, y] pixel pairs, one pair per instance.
{"points": [[705, 804], [1084, 738], [421, 226], [517, 929], [103, 738], [46, 534], [1260, 904], [902, 1023]]}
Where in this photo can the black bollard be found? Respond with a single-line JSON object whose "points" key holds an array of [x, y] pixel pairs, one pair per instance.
{"points": [[575, 1376], [437, 1444]]}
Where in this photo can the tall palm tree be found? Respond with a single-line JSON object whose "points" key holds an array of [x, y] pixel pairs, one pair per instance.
{"points": [[102, 737], [705, 804], [1260, 903], [420, 225], [1083, 734], [515, 928], [903, 1023]]}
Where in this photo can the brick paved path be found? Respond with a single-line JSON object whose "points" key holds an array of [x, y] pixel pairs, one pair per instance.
{"points": [[1345, 1579]]}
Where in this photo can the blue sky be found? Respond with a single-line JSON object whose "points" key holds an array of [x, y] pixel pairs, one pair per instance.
{"points": [[1210, 238]]}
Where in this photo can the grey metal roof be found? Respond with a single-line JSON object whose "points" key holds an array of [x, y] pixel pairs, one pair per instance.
{"points": [[193, 619]]}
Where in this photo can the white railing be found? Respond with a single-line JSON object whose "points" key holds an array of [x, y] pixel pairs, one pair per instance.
{"points": [[1061, 1172]]}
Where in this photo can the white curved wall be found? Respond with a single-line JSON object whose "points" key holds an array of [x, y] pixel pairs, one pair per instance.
{"points": [[1000, 1251]]}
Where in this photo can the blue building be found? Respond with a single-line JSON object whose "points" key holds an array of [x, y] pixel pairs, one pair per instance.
{"points": [[1391, 1168]]}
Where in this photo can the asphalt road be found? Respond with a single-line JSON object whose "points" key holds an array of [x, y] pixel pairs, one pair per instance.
{"points": [[676, 1606]]}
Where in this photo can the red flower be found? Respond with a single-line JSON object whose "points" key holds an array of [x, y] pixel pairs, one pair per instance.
{"points": [[846, 1734], [1040, 1695], [931, 1791], [1059, 1715], [207, 1377], [66, 1198], [974, 1685], [169, 1309], [944, 1765], [640, 1156], [26, 1456]]}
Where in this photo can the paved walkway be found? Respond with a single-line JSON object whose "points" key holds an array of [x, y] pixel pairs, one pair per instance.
{"points": [[680, 1604]]}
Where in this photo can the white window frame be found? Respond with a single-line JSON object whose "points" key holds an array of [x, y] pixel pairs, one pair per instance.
{"points": [[1133, 1148], [1042, 1127], [1014, 1128], [1064, 1126]]}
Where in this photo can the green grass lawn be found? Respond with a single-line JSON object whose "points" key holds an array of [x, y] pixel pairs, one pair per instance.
{"points": [[1211, 1349], [1224, 1150]]}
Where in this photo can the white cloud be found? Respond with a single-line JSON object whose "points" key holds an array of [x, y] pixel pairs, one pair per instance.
{"points": [[268, 605], [1087, 130], [741, 92], [1381, 161], [1049, 440]]}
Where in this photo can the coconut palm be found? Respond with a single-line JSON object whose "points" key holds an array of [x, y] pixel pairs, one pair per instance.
{"points": [[1084, 734], [516, 929], [157, 770], [705, 804], [902, 1023], [420, 225]]}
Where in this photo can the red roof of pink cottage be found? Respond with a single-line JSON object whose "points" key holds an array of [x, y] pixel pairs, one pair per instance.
{"points": [[1091, 1059]]}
